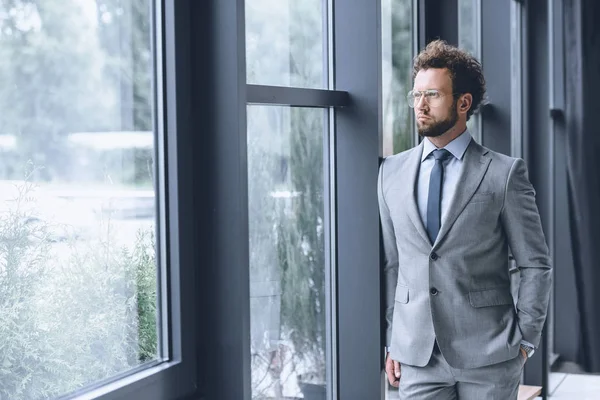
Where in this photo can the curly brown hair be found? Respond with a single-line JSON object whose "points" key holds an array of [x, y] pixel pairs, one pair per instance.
{"points": [[465, 70]]}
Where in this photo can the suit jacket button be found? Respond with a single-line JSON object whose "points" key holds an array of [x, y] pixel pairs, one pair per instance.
{"points": [[434, 256], [433, 291]]}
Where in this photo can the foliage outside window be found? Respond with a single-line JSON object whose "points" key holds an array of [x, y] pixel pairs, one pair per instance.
{"points": [[285, 45], [77, 232], [287, 255]]}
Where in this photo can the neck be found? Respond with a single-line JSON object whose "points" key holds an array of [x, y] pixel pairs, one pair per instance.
{"points": [[448, 136]]}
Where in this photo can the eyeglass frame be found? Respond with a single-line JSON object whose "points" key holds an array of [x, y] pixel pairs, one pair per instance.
{"points": [[413, 103]]}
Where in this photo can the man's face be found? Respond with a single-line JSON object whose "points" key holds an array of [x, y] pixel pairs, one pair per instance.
{"points": [[435, 116]]}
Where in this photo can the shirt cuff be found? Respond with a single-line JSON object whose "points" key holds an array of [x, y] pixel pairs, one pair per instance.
{"points": [[526, 343]]}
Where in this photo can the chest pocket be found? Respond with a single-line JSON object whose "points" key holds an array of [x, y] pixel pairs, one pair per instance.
{"points": [[486, 197]]}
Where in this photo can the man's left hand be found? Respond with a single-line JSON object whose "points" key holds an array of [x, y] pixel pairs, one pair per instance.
{"points": [[523, 353]]}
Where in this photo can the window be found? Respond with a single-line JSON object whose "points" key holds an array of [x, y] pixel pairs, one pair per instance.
{"points": [[397, 54], [81, 197], [397, 51], [469, 33], [288, 161], [285, 43], [287, 200], [469, 39], [287, 255]]}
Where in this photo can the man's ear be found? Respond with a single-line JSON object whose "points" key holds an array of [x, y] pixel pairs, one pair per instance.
{"points": [[465, 102]]}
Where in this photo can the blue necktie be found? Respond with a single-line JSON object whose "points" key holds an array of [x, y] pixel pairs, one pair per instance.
{"points": [[434, 199]]}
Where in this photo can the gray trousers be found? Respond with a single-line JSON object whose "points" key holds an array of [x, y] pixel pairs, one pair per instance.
{"points": [[439, 381]]}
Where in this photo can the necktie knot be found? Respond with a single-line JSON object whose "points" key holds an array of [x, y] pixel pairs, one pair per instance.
{"points": [[441, 155]]}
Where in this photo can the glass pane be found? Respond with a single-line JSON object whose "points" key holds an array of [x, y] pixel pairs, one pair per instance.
{"points": [[77, 213], [285, 43], [468, 32], [397, 53], [469, 35], [287, 256]]}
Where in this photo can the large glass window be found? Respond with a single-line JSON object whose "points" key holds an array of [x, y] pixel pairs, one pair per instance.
{"points": [[469, 14], [397, 54], [78, 272], [469, 39], [285, 43], [287, 255]]}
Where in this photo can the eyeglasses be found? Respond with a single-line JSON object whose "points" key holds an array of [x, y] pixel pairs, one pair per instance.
{"points": [[432, 97]]}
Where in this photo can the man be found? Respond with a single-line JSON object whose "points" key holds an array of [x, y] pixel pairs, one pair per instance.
{"points": [[450, 211]]}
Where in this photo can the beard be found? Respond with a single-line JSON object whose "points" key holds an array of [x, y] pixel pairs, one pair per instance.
{"points": [[438, 128]]}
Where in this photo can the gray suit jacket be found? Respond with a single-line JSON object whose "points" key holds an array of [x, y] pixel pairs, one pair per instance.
{"points": [[457, 290]]}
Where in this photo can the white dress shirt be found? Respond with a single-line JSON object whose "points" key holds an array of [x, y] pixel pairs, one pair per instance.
{"points": [[452, 169]]}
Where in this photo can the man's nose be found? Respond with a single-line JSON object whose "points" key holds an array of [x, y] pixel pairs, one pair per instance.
{"points": [[421, 104]]}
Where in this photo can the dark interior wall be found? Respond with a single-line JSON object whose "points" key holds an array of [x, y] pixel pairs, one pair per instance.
{"points": [[566, 314], [539, 143], [545, 153], [537, 154], [582, 55]]}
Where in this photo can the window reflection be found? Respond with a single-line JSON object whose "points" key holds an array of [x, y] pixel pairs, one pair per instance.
{"points": [[287, 255], [397, 53], [469, 36], [285, 43]]}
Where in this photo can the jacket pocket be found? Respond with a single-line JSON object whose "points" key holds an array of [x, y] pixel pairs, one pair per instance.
{"points": [[490, 297], [401, 294]]}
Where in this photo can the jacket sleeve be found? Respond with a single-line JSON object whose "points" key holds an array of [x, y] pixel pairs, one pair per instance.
{"points": [[521, 222], [390, 254]]}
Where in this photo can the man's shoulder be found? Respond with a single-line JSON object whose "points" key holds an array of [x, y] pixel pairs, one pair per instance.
{"points": [[501, 165], [397, 166], [500, 156], [398, 159], [499, 159]]}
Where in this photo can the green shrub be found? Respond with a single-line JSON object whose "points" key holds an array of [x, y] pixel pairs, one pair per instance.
{"points": [[71, 314]]}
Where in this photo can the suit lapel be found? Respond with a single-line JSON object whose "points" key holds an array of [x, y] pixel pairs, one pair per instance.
{"points": [[476, 162], [412, 207]]}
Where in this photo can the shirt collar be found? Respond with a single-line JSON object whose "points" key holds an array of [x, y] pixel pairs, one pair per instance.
{"points": [[457, 147]]}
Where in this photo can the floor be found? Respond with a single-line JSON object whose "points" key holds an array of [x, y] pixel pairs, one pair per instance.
{"points": [[565, 386]]}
